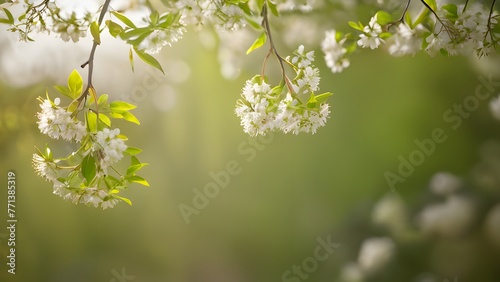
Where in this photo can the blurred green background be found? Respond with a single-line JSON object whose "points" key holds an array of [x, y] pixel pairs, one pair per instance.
{"points": [[294, 190]]}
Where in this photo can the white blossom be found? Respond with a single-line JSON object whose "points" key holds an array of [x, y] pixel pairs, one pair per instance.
{"points": [[447, 219], [371, 36], [44, 168], [405, 41], [110, 145], [375, 253], [335, 52], [444, 183], [57, 123], [160, 38]]}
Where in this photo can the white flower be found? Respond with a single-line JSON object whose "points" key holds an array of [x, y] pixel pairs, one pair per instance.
{"points": [[371, 38], [44, 168], [69, 31], [495, 107], [253, 109], [110, 145], [351, 272], [56, 122], [375, 253], [335, 52], [448, 219], [405, 41], [437, 42], [309, 81], [390, 212], [160, 38], [444, 183], [109, 203]]}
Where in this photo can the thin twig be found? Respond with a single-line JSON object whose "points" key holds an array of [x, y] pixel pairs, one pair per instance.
{"points": [[90, 62], [267, 28]]}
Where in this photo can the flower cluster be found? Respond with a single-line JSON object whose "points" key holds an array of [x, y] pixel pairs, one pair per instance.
{"points": [[57, 122], [371, 35], [335, 51], [109, 146], [448, 29], [294, 108], [225, 15], [82, 177]]}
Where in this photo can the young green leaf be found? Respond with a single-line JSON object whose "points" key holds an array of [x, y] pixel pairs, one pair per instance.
{"points": [[123, 19], [75, 84], [148, 59], [133, 151], [356, 26], [118, 106], [272, 7], [91, 122], [10, 18], [133, 168], [105, 119], [258, 43], [88, 168], [114, 28], [138, 179], [383, 18], [130, 117], [65, 91], [96, 33], [126, 200]]}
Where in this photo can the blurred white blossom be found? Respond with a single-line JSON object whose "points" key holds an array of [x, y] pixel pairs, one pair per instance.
{"points": [[444, 183], [375, 253], [447, 219]]}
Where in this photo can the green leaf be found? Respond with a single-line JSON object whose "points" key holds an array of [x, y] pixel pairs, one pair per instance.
{"points": [[130, 117], [321, 98], [273, 8], [105, 119], [356, 26], [123, 19], [114, 28], [102, 99], [65, 91], [118, 106], [126, 200], [96, 33], [92, 122], [75, 84], [88, 168], [311, 103], [385, 35], [408, 20], [138, 179], [150, 60], [134, 160], [136, 32], [10, 18], [452, 11], [133, 151], [383, 18], [253, 23], [133, 168], [258, 43], [73, 106]]}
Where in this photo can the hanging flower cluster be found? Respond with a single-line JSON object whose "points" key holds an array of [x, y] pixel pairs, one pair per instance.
{"points": [[85, 175], [448, 29], [289, 107]]}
